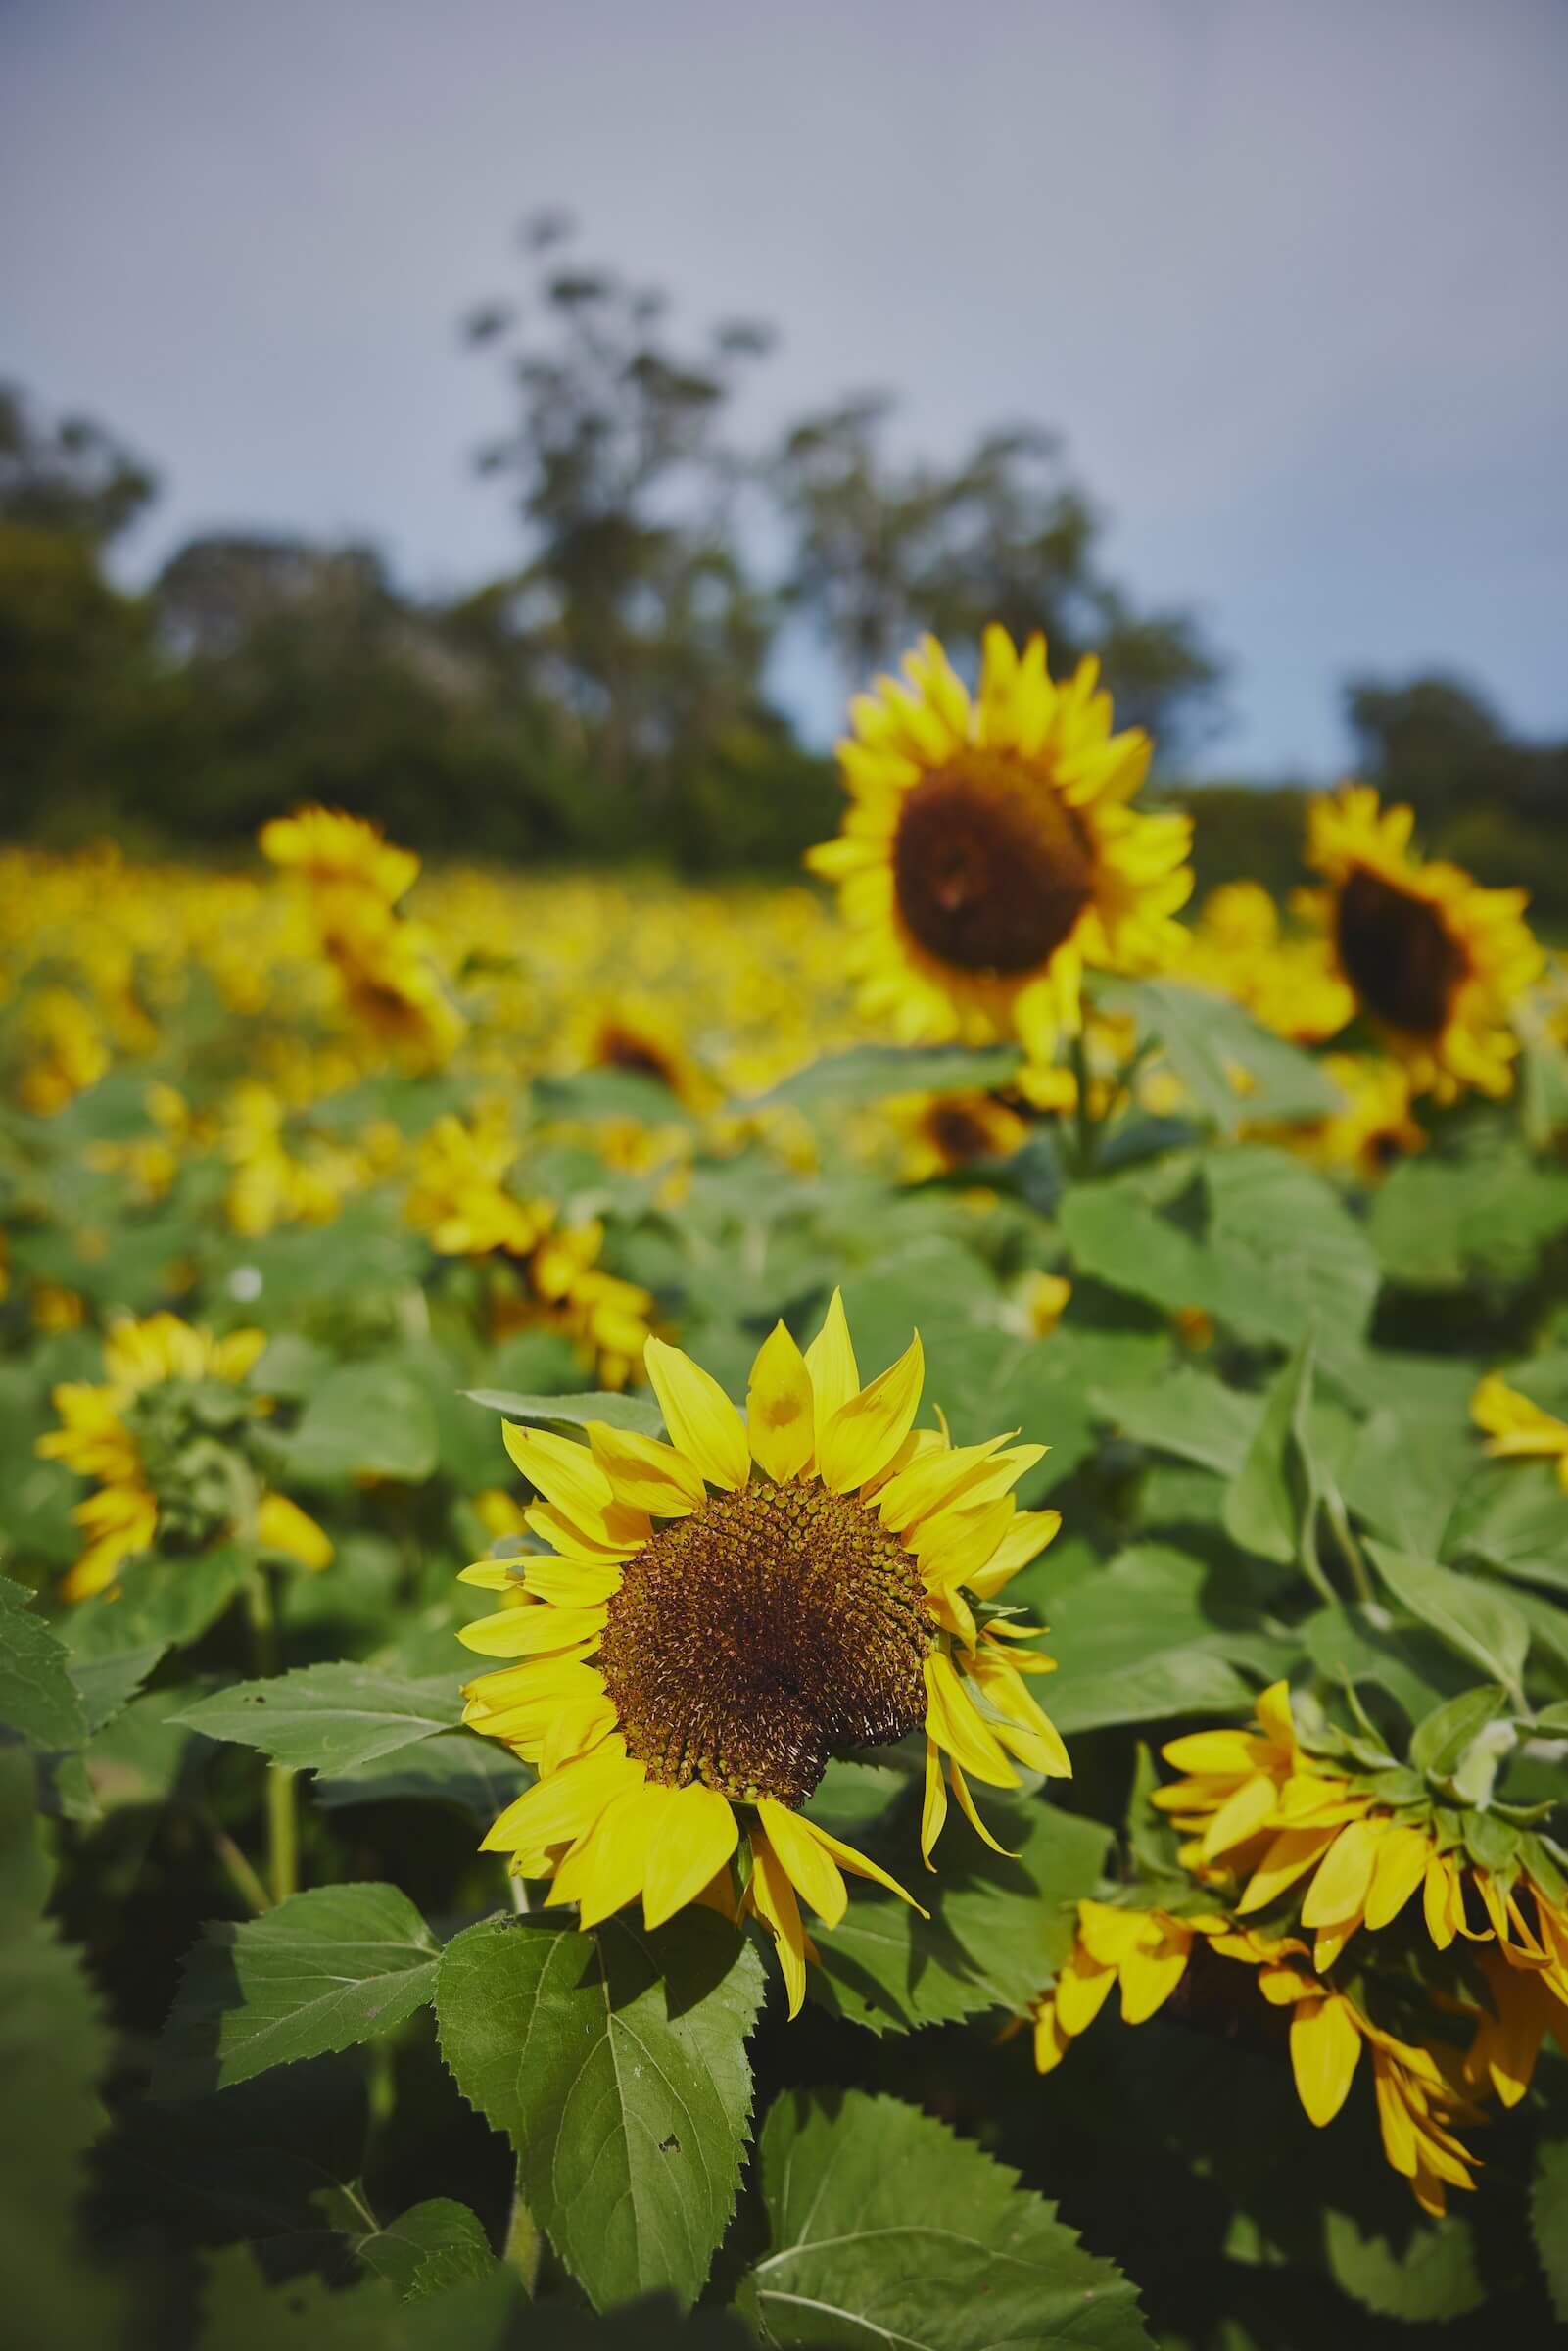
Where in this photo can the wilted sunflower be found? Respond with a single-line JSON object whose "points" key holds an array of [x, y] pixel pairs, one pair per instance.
{"points": [[1436, 962], [989, 851], [163, 1439], [725, 1613]]}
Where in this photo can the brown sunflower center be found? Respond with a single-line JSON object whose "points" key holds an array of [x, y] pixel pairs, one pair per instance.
{"points": [[750, 1641], [1396, 953], [991, 868]]}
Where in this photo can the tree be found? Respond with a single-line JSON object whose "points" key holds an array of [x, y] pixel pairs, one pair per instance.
{"points": [[882, 550], [72, 476], [633, 609]]}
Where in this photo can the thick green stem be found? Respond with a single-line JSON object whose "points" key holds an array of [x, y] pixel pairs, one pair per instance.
{"points": [[282, 1816], [1086, 1137]]}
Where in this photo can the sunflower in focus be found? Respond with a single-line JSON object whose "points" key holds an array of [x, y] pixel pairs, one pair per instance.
{"points": [[989, 851], [1436, 962], [721, 1614], [163, 1438]]}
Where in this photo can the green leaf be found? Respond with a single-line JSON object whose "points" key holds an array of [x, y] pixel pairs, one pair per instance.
{"points": [[53, 2050], [1000, 1924], [1473, 1618], [478, 1775], [1403, 1477], [327, 1968], [610, 1093], [169, 1600], [329, 1717], [1401, 1656], [1187, 1413], [637, 1413], [1207, 1037], [1139, 1640], [38, 1703], [886, 2229], [867, 1072], [1272, 1503], [1432, 2272], [1445, 1219], [367, 1419], [431, 2247], [1514, 1515], [1441, 1738], [615, 2062], [1548, 2218]]}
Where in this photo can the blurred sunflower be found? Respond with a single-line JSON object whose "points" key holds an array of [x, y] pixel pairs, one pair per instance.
{"points": [[725, 1613], [1435, 961], [329, 847], [162, 1437], [1517, 1429], [989, 851]]}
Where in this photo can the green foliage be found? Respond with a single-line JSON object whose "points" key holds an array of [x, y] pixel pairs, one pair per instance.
{"points": [[329, 1717], [323, 1971], [616, 2065], [882, 2226]]}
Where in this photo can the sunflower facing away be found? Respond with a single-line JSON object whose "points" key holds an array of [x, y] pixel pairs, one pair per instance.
{"points": [[163, 1437], [989, 851], [723, 1613], [1435, 961]]}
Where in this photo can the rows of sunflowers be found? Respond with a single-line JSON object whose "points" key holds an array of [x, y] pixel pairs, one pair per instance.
{"points": [[545, 1423]]}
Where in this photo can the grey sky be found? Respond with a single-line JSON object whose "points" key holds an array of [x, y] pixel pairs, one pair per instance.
{"points": [[1291, 277]]}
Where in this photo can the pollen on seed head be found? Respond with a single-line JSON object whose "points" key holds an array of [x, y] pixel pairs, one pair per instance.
{"points": [[751, 1641]]}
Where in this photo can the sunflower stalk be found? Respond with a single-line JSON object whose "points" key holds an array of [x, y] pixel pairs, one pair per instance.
{"points": [[282, 1811]]}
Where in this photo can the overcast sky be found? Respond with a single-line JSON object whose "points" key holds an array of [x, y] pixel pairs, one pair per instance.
{"points": [[1291, 277]]}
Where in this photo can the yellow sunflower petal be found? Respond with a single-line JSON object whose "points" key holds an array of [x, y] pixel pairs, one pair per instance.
{"points": [[863, 1434], [645, 1474], [694, 1840], [779, 1407], [1325, 2045], [811, 1867], [773, 1897], [699, 1416], [281, 1525], [565, 1472], [830, 1362]]}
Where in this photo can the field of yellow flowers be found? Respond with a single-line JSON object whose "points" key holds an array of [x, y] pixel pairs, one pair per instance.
{"points": [[652, 1537]]}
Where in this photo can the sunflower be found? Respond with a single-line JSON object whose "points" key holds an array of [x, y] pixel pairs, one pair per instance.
{"points": [[723, 1613], [989, 851], [546, 1274], [330, 847], [1435, 961], [1287, 983], [1517, 1429], [165, 1443]]}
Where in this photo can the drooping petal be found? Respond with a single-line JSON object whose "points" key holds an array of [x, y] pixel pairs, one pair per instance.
{"points": [[811, 1867], [1325, 2044], [773, 1897], [951, 1720], [281, 1525], [696, 1840], [606, 1866]]}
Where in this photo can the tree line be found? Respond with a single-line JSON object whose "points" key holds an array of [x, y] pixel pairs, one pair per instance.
{"points": [[613, 694]]}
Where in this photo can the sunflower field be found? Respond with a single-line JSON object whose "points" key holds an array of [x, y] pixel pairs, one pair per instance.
{"points": [[793, 1616]]}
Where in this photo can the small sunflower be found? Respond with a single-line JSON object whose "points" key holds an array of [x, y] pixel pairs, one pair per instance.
{"points": [[163, 1439], [332, 849], [1517, 1429], [723, 1613], [1435, 961], [989, 851]]}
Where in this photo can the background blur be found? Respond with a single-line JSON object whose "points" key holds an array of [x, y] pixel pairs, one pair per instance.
{"points": [[525, 424]]}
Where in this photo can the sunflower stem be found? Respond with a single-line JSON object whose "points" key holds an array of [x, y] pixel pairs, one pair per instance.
{"points": [[1086, 1131], [241, 1876], [1355, 1556], [282, 1814]]}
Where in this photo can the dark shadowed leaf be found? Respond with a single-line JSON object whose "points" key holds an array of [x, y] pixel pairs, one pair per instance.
{"points": [[324, 1970]]}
